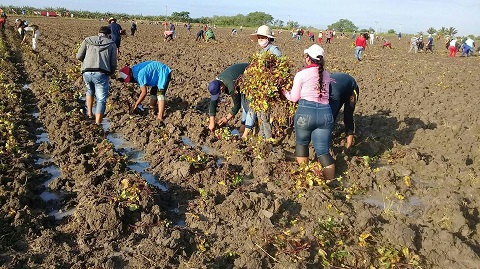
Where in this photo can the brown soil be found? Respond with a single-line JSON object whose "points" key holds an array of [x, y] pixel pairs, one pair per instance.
{"points": [[418, 190]]}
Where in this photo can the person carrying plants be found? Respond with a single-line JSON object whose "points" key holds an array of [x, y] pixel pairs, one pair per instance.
{"points": [[153, 74], [226, 82], [429, 46], [344, 91], [98, 55], [313, 119], [264, 37]]}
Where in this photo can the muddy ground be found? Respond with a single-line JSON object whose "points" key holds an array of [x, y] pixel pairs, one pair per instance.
{"points": [[406, 196]]}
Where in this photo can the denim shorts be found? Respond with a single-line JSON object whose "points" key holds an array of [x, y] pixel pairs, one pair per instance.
{"points": [[313, 122], [97, 82]]}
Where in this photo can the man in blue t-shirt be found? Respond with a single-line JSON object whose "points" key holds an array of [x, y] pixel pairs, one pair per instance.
{"points": [[154, 74]]}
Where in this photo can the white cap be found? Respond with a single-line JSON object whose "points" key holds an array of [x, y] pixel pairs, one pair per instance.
{"points": [[314, 51]]}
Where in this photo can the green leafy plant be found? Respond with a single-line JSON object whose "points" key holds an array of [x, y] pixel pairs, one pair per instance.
{"points": [[263, 83]]}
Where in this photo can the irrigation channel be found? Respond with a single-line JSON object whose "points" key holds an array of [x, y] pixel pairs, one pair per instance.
{"points": [[135, 160]]}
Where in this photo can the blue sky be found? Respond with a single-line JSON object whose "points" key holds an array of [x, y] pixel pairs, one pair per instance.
{"points": [[408, 16]]}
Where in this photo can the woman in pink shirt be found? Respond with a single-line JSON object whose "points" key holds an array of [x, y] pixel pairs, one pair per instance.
{"points": [[313, 118]]}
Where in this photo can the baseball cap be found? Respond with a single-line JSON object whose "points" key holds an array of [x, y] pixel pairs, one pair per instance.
{"points": [[124, 73], [214, 89], [314, 51]]}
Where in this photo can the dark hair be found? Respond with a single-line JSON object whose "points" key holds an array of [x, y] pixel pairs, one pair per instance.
{"points": [[321, 68], [105, 30]]}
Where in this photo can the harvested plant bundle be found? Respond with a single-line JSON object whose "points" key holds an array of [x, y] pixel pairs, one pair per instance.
{"points": [[263, 82]]}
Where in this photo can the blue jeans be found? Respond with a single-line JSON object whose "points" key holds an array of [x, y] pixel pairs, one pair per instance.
{"points": [[358, 52], [313, 122], [248, 116], [97, 82]]}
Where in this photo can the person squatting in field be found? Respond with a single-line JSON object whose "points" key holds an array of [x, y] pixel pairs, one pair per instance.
{"points": [[98, 55], [344, 91], [200, 35], [264, 38], [153, 74], [226, 82], [167, 36], [386, 44], [313, 119]]}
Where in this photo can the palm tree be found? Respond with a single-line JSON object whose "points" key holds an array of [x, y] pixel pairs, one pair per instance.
{"points": [[452, 31], [431, 30]]}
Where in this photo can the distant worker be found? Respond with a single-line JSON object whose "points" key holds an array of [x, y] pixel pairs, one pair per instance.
{"points": [[386, 44], [133, 28], [344, 91], [209, 35], [116, 30], [200, 35], [34, 30], [167, 36], [360, 45], [429, 46]]}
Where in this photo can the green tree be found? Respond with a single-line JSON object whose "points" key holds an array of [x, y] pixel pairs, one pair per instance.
{"points": [[183, 16], [258, 18], [452, 31], [292, 24], [431, 30], [343, 25], [391, 31]]}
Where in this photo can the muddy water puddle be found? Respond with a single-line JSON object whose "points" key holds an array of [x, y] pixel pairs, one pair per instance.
{"points": [[409, 206], [52, 198]]}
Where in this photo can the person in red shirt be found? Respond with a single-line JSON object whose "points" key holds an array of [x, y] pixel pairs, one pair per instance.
{"points": [[360, 45], [386, 44]]}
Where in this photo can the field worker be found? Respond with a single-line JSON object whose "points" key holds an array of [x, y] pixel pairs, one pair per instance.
{"points": [[167, 36], [99, 60], [3, 18], [133, 28], [386, 44], [413, 44], [453, 47], [468, 47], [154, 74], [360, 45], [264, 37], [429, 46], [34, 30], [344, 91], [200, 35], [115, 28], [226, 82], [371, 37], [209, 35], [20, 26], [313, 119], [320, 37]]}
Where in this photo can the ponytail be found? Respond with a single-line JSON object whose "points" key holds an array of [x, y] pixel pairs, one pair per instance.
{"points": [[321, 68]]}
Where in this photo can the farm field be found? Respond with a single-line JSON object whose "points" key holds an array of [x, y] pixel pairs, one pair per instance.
{"points": [[75, 195]]}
